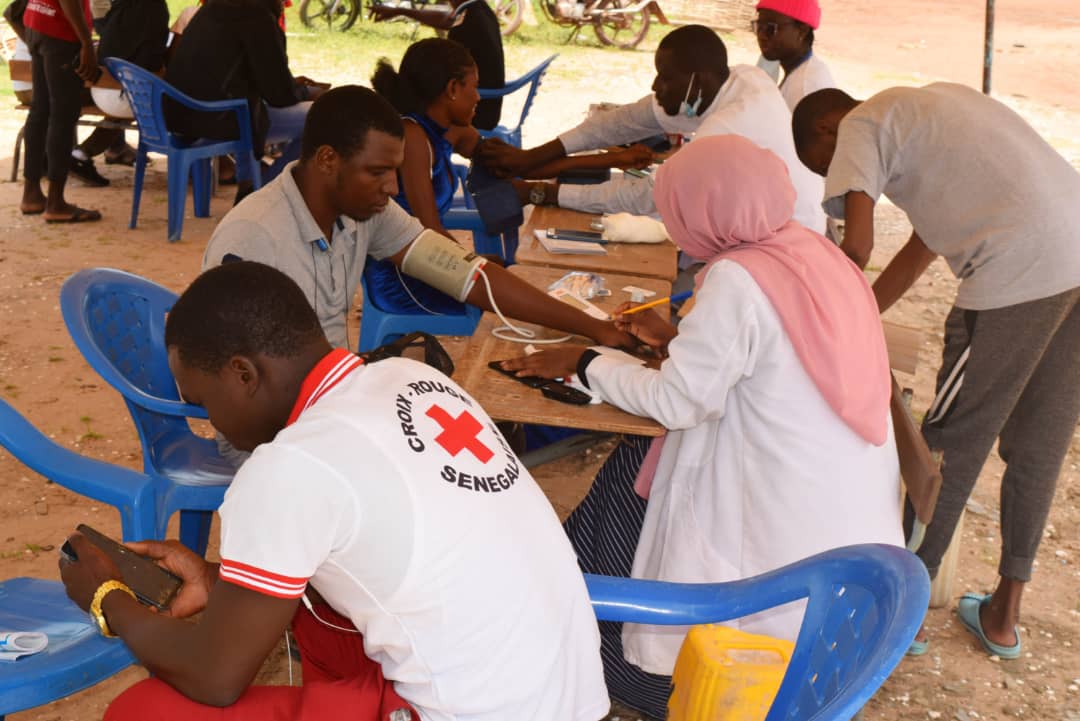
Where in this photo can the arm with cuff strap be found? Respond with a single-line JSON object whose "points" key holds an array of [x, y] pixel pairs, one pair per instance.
{"points": [[445, 265]]}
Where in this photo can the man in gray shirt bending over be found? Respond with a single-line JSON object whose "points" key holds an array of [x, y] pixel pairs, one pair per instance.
{"points": [[982, 189]]}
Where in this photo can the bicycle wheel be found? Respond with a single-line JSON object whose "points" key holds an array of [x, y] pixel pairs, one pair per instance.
{"points": [[335, 14], [509, 13], [624, 30]]}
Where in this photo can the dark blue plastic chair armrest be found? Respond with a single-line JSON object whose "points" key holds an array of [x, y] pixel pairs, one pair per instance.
{"points": [[510, 88], [463, 219], [515, 85], [239, 106], [210, 106], [660, 603], [95, 479]]}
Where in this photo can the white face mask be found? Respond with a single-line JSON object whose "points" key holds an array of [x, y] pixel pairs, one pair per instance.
{"points": [[685, 108], [684, 122]]}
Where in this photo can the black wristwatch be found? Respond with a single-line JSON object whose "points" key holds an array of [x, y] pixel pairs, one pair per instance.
{"points": [[586, 358], [538, 194]]}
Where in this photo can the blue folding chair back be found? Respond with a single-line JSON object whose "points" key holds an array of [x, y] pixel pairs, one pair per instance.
{"points": [[189, 158], [77, 657], [117, 321], [864, 606], [532, 80], [378, 326]]}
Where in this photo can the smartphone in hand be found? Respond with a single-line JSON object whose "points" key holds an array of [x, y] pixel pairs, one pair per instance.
{"points": [[554, 390], [151, 584]]}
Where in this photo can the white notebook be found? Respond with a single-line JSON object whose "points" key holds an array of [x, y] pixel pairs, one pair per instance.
{"points": [[580, 247]]}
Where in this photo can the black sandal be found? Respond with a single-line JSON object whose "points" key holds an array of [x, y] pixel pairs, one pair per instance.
{"points": [[78, 215]]}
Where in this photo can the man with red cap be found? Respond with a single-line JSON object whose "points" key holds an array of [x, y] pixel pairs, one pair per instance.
{"points": [[785, 34]]}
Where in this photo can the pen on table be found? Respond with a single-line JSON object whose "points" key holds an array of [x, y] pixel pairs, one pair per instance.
{"points": [[659, 301]]}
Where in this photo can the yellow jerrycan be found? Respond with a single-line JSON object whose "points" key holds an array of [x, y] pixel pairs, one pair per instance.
{"points": [[724, 674]]}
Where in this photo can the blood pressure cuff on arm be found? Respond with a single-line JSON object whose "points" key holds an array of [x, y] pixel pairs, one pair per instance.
{"points": [[496, 200]]}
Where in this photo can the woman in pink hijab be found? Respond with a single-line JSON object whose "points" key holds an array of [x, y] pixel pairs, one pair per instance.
{"points": [[775, 393]]}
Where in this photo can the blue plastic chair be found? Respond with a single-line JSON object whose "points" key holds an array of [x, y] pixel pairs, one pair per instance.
{"points": [[117, 321], [531, 79], [78, 656], [378, 326], [187, 157], [503, 246], [865, 605]]}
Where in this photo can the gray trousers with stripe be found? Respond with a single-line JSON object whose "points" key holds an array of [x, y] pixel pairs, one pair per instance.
{"points": [[1010, 374]]}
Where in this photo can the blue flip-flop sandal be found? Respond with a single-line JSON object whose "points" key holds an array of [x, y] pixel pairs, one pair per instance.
{"points": [[968, 611], [918, 648]]}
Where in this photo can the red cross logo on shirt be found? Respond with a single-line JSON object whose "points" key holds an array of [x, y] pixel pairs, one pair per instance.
{"points": [[459, 433]]}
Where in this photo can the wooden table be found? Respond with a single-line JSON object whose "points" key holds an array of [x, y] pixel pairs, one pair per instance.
{"points": [[505, 399], [649, 260]]}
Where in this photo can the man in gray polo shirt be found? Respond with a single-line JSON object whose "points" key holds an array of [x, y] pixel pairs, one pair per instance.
{"points": [[325, 213], [982, 189]]}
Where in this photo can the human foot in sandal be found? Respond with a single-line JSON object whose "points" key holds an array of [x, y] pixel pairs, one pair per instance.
{"points": [[123, 157], [920, 645], [33, 200], [73, 214], [970, 611]]}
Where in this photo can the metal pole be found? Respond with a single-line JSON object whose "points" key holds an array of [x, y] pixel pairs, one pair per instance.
{"points": [[988, 48]]}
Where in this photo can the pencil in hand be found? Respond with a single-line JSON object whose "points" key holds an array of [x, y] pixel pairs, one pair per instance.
{"points": [[659, 301]]}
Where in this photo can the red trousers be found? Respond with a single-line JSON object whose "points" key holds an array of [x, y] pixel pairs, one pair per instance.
{"points": [[340, 682]]}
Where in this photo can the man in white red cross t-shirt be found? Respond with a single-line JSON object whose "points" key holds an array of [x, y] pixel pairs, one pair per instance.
{"points": [[447, 590]]}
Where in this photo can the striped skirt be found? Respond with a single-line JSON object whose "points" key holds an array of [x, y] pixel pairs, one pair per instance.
{"points": [[604, 532]]}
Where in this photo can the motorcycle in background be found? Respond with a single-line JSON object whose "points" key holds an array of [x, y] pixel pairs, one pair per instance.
{"points": [[342, 14], [622, 23]]}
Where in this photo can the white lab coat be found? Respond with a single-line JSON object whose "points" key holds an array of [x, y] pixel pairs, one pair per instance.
{"points": [[757, 471], [748, 104], [811, 76]]}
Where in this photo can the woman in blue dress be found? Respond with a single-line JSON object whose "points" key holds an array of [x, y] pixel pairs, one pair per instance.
{"points": [[435, 90]]}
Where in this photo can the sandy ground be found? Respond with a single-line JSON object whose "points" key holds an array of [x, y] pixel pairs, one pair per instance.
{"points": [[869, 47]]}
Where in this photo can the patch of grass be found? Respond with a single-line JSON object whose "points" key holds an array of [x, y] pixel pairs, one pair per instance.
{"points": [[350, 57], [90, 434], [6, 90], [56, 359]]}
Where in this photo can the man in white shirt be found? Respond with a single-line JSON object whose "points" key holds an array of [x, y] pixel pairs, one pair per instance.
{"points": [[441, 568], [695, 94], [785, 35], [982, 189]]}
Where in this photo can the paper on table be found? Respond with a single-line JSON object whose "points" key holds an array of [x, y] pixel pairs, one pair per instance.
{"points": [[644, 291], [553, 245], [578, 302]]}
